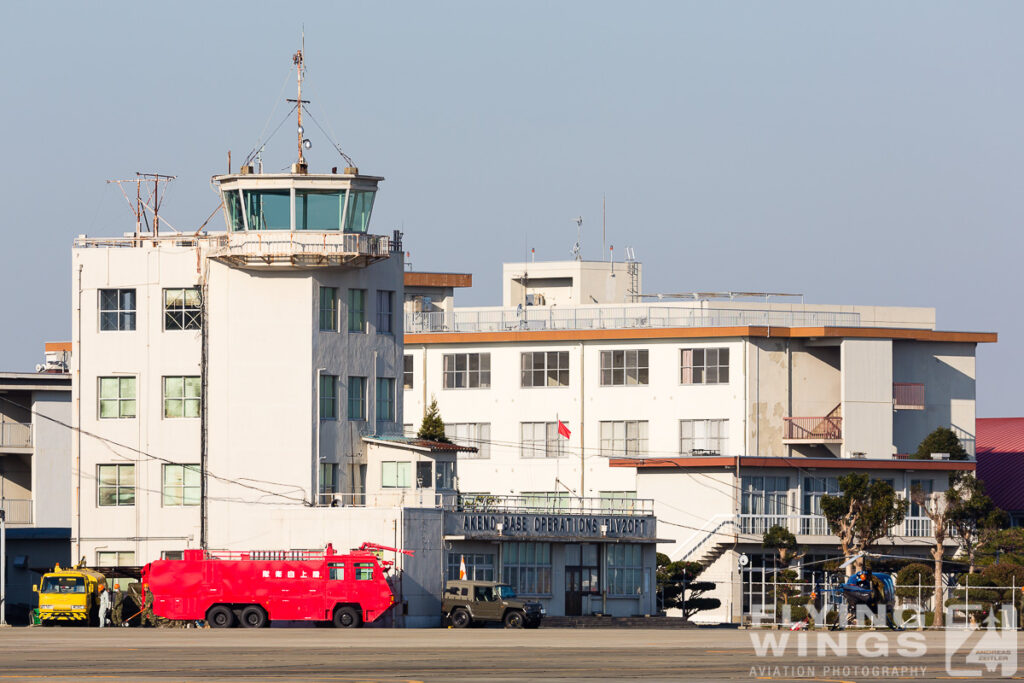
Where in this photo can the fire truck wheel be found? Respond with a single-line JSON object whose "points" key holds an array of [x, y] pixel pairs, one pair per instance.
{"points": [[253, 616], [346, 617], [514, 619], [220, 616], [460, 618]]}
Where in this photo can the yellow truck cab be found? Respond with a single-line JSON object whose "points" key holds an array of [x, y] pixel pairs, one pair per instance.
{"points": [[69, 596]]}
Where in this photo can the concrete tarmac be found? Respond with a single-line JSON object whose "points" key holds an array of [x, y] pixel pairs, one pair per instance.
{"points": [[497, 655]]}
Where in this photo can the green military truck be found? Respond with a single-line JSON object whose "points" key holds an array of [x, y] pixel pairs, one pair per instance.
{"points": [[468, 603]]}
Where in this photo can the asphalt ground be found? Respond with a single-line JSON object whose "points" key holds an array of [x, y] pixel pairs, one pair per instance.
{"points": [[495, 655]]}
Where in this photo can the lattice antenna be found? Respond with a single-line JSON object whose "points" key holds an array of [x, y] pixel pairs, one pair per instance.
{"points": [[144, 205]]}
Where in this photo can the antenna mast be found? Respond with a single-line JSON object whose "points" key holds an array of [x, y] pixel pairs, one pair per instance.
{"points": [[143, 206], [298, 60]]}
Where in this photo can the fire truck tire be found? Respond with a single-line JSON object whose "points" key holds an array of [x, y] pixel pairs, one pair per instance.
{"points": [[254, 616], [460, 618], [220, 616], [514, 619], [346, 617]]}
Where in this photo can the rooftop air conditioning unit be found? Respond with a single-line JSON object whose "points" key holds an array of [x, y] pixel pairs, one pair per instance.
{"points": [[858, 455], [940, 456]]}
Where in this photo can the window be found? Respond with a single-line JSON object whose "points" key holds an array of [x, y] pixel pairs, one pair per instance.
{"points": [[545, 369], [479, 566], [444, 476], [396, 475], [115, 558], [621, 368], [527, 567], [812, 522], [628, 437], [764, 503], [540, 440], [336, 571], [181, 485], [471, 434], [357, 215], [357, 310], [385, 312], [467, 371], [618, 501], [704, 366], [918, 522], [328, 309], [319, 210], [182, 396], [268, 209], [424, 474], [546, 500], [703, 437], [117, 397], [625, 568], [407, 372], [115, 485], [364, 571], [357, 398], [182, 310], [328, 481], [117, 310], [171, 555], [328, 397], [385, 399]]}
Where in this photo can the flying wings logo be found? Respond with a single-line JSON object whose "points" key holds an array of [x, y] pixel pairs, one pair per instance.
{"points": [[987, 651]]}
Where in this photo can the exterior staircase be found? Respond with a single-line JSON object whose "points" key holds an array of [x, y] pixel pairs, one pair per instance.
{"points": [[710, 542]]}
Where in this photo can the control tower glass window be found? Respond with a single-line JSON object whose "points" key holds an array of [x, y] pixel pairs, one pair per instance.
{"points": [[269, 209], [319, 211], [233, 202], [360, 204]]}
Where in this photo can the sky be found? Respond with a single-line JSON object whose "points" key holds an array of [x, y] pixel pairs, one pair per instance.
{"points": [[857, 153]]}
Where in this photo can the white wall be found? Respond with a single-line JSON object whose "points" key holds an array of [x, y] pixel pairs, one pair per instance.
{"points": [[867, 397]]}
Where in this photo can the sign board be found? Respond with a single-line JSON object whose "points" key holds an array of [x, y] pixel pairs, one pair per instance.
{"points": [[526, 526]]}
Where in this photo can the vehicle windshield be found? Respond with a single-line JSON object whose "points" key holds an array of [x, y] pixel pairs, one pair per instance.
{"points": [[506, 592], [62, 584]]}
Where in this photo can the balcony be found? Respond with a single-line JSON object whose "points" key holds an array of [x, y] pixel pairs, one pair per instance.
{"points": [[817, 525], [907, 396], [17, 510], [281, 249], [15, 435], [825, 429]]}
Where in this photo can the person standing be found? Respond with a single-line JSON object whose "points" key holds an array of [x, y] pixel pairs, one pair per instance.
{"points": [[104, 605]]}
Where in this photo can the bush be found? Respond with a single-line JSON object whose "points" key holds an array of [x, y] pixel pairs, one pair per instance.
{"points": [[942, 440], [912, 574]]}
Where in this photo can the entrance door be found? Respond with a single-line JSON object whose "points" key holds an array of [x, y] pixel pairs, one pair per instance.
{"points": [[573, 591]]}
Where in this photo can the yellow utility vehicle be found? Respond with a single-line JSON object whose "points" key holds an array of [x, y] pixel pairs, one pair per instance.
{"points": [[70, 596]]}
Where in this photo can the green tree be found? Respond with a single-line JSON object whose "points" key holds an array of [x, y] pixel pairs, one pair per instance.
{"points": [[937, 508], [863, 511], [1002, 546], [432, 427], [782, 540], [942, 440], [910, 577], [679, 588], [972, 515]]}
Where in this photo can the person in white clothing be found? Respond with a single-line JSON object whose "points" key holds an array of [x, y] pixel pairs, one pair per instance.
{"points": [[104, 605]]}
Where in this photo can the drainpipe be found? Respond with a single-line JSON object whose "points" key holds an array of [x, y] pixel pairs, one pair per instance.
{"points": [[316, 437], [77, 380]]}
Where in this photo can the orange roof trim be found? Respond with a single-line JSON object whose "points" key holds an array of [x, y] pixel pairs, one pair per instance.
{"points": [[58, 346], [802, 463]]}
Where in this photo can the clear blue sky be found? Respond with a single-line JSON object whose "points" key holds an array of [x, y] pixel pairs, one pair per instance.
{"points": [[855, 152]]}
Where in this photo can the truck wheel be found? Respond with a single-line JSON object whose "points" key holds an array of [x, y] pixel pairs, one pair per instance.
{"points": [[220, 616], [460, 618], [253, 616], [514, 619], [346, 617]]}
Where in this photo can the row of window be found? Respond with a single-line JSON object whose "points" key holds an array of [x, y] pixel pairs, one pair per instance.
{"points": [[182, 397], [356, 398], [115, 485], [628, 367], [182, 309], [330, 310], [527, 568], [769, 495]]}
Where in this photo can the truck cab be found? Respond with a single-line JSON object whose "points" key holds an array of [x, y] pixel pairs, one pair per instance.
{"points": [[477, 602], [69, 596]]}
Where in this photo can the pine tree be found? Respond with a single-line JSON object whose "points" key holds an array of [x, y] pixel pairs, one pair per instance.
{"points": [[942, 440], [432, 427]]}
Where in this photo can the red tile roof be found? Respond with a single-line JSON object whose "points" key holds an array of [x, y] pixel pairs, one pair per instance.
{"points": [[1000, 451]]}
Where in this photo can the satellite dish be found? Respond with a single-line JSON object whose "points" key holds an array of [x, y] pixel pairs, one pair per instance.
{"points": [[307, 144], [744, 560]]}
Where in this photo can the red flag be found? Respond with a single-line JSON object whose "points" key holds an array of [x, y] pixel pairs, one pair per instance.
{"points": [[563, 430]]}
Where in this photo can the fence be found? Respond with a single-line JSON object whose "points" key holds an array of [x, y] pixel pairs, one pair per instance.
{"points": [[16, 434], [17, 510], [817, 525]]}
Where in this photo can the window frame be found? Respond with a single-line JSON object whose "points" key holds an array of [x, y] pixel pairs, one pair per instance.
{"points": [[184, 398], [714, 444], [552, 440], [385, 400], [122, 315], [122, 558], [119, 399], [117, 486], [537, 366], [399, 468], [618, 365], [359, 400], [408, 372], [328, 295], [357, 314], [191, 316], [185, 467], [385, 312], [529, 561], [624, 569], [642, 439], [455, 377], [328, 399], [703, 370], [474, 433]]}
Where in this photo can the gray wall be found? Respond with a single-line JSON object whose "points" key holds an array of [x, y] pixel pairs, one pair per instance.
{"points": [[422, 579], [51, 471]]}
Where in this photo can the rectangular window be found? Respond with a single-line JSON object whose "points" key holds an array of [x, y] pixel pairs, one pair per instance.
{"points": [[357, 398], [625, 568], [812, 522], [627, 437], [328, 397], [328, 309], [117, 310], [115, 485], [764, 503], [357, 310], [547, 501], [703, 437], [385, 312], [328, 482], [181, 485], [407, 372], [182, 309], [467, 371], [171, 555], [624, 368], [396, 475], [540, 440], [117, 397], [479, 566], [444, 476], [545, 369], [424, 474], [476, 434], [115, 558], [527, 567], [336, 571], [385, 399], [619, 502], [364, 571], [182, 396], [704, 366]]}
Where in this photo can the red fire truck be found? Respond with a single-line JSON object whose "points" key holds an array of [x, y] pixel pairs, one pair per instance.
{"points": [[257, 587]]}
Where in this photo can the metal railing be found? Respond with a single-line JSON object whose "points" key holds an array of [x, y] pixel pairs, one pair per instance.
{"points": [[817, 525], [641, 507], [286, 246], [16, 434], [908, 396], [616, 317], [17, 510], [825, 428], [917, 526], [421, 498]]}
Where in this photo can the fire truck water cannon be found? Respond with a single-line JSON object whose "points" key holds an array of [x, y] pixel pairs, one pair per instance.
{"points": [[386, 564]]}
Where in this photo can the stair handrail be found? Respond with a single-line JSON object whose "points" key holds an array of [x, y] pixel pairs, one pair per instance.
{"points": [[708, 532]]}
